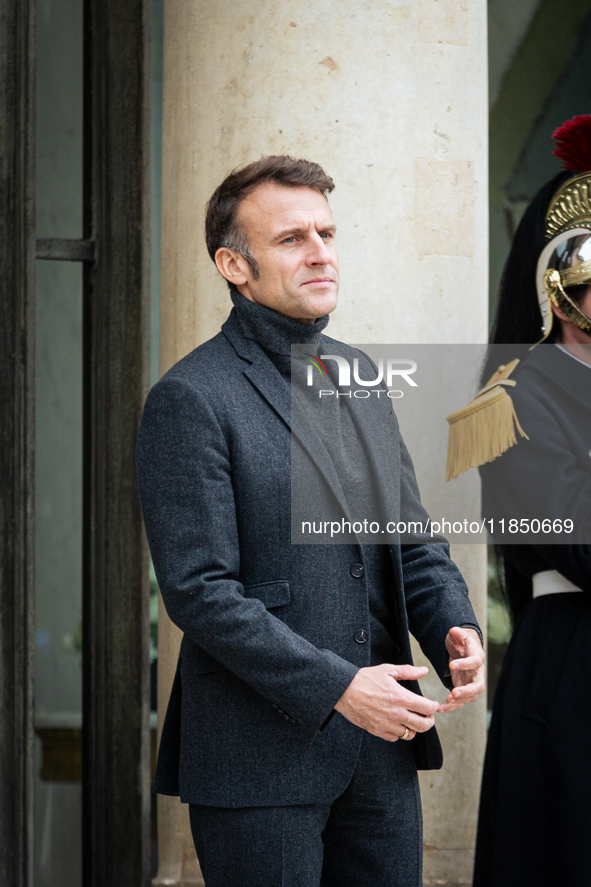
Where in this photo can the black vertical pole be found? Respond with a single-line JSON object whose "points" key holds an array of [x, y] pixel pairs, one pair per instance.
{"points": [[116, 738], [17, 317]]}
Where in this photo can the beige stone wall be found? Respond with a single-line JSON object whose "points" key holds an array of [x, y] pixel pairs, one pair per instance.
{"points": [[450, 795], [390, 96]]}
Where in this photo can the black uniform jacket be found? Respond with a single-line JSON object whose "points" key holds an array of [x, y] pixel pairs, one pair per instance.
{"points": [[535, 816], [547, 477], [271, 629]]}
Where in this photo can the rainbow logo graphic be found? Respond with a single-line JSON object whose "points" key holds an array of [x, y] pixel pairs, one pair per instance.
{"points": [[314, 361]]}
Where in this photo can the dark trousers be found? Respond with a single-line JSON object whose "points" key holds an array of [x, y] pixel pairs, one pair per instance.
{"points": [[371, 836]]}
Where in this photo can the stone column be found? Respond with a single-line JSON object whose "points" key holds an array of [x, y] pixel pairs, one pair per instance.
{"points": [[450, 796], [391, 98], [177, 860]]}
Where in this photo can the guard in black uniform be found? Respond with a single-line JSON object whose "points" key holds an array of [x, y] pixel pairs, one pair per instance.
{"points": [[535, 811]]}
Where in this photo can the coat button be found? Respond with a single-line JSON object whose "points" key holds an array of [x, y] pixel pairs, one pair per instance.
{"points": [[357, 571], [361, 636]]}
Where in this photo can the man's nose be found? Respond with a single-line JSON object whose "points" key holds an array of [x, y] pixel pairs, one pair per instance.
{"points": [[318, 253]]}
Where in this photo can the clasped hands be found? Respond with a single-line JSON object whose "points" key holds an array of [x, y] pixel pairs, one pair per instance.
{"points": [[375, 701]]}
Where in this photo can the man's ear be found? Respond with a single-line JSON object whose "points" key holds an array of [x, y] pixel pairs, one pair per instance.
{"points": [[231, 265], [558, 313]]}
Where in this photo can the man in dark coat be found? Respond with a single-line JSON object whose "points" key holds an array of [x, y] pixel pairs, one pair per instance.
{"points": [[295, 678]]}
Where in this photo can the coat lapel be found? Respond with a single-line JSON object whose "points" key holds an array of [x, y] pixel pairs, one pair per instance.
{"points": [[377, 430], [270, 385], [259, 369], [264, 376], [312, 442]]}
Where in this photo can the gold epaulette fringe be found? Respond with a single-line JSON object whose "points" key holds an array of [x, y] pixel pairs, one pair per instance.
{"points": [[485, 428]]}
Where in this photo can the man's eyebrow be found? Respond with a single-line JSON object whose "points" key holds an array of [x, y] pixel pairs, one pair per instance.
{"points": [[301, 229]]}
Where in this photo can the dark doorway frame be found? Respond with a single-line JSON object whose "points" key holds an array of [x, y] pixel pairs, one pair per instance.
{"points": [[17, 252], [115, 253]]}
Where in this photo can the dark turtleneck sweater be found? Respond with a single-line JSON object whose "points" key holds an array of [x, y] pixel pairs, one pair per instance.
{"points": [[276, 333]]}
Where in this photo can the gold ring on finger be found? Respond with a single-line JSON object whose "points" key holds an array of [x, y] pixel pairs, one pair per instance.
{"points": [[406, 733]]}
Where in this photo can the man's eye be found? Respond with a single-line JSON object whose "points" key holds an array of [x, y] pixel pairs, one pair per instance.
{"points": [[327, 235], [289, 239]]}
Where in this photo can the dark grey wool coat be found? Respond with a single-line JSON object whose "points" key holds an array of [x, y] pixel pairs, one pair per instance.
{"points": [[269, 627]]}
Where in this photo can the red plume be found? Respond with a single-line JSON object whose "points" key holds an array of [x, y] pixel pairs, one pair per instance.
{"points": [[573, 143]]}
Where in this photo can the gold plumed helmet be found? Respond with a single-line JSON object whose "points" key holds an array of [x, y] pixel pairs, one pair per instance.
{"points": [[488, 426], [566, 259]]}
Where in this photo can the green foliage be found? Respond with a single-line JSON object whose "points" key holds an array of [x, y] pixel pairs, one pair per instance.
{"points": [[498, 618], [72, 643], [153, 614]]}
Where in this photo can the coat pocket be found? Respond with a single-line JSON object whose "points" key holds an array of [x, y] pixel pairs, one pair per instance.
{"points": [[272, 594]]}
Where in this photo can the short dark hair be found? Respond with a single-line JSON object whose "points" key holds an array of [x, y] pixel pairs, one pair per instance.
{"points": [[221, 225]]}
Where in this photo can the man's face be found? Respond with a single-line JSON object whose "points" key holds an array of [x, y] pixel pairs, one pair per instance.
{"points": [[292, 236], [570, 334]]}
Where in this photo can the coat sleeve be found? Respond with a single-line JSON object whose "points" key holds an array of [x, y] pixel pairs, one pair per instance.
{"points": [[185, 479], [435, 591]]}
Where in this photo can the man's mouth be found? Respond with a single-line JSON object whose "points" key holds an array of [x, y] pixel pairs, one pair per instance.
{"points": [[318, 281]]}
